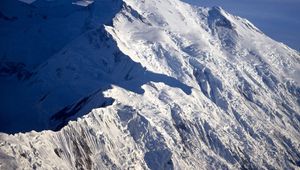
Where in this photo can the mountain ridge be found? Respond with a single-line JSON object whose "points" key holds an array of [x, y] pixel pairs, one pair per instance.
{"points": [[191, 87]]}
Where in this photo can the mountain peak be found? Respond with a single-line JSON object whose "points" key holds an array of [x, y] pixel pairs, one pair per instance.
{"points": [[146, 85]]}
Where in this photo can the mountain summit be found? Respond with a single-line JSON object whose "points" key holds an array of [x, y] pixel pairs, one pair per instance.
{"points": [[144, 84]]}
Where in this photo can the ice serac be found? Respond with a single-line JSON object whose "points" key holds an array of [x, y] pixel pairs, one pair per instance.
{"points": [[170, 86]]}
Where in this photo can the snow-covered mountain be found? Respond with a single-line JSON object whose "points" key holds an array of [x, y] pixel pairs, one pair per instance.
{"points": [[144, 84]]}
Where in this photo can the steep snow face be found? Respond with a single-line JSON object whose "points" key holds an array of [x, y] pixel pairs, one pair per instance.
{"points": [[171, 87], [232, 67], [30, 34], [42, 30]]}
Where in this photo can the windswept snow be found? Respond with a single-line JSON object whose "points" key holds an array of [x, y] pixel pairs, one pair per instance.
{"points": [[163, 85], [84, 3]]}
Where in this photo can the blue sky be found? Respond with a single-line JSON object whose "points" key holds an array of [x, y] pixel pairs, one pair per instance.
{"points": [[279, 19]]}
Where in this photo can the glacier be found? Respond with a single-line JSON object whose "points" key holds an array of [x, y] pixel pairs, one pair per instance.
{"points": [[144, 84]]}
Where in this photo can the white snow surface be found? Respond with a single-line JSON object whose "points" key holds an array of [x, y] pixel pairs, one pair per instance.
{"points": [[84, 3], [164, 85]]}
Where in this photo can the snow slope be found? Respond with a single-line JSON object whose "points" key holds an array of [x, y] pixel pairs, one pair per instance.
{"points": [[25, 50], [167, 86]]}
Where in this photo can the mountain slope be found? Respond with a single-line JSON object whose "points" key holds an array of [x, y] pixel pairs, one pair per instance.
{"points": [[171, 87], [26, 50]]}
